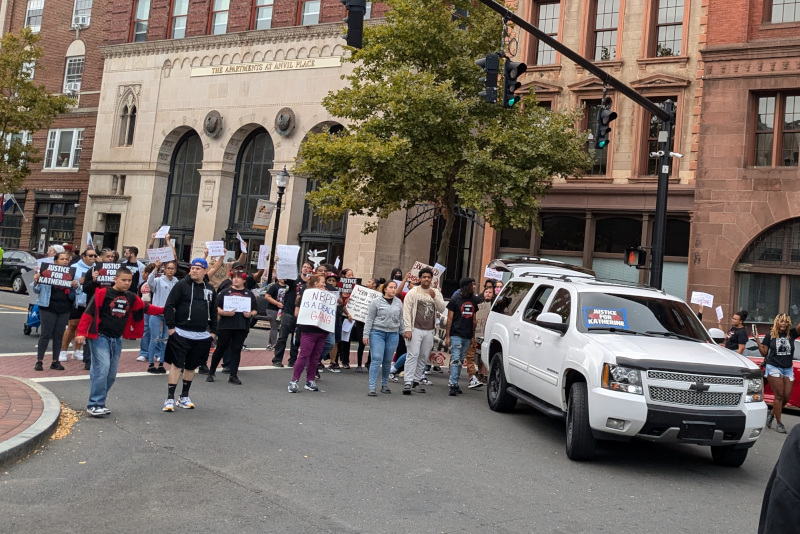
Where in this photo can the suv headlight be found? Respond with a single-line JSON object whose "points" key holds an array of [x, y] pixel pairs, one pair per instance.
{"points": [[755, 390], [618, 378]]}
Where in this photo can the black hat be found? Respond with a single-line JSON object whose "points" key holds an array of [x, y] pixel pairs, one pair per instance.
{"points": [[237, 265], [466, 281]]}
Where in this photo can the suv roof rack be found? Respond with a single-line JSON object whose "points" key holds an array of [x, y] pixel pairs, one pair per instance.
{"points": [[503, 264]]}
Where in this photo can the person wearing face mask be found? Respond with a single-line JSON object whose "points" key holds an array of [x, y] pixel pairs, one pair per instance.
{"points": [[54, 303], [160, 285], [383, 328], [498, 287], [79, 306], [778, 349]]}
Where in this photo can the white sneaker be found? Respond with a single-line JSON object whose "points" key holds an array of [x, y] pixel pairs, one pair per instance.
{"points": [[141, 359], [63, 356], [475, 383], [78, 355], [425, 382]]}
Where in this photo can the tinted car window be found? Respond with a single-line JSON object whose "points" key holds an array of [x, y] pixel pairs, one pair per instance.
{"points": [[511, 297], [536, 304], [561, 305]]}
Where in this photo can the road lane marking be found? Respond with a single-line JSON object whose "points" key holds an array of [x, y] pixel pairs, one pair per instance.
{"points": [[14, 307]]}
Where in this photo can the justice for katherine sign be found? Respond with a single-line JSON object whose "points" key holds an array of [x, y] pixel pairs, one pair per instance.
{"points": [[318, 308]]}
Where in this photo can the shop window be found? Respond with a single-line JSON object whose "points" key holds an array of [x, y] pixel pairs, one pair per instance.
{"points": [[777, 142], [309, 12], [63, 149], [677, 241], [54, 223], [33, 15], [546, 17], [519, 238], [180, 14], [563, 233], [263, 18], [605, 21], [783, 11], [219, 16], [141, 16], [11, 229], [82, 12], [615, 234], [653, 127]]}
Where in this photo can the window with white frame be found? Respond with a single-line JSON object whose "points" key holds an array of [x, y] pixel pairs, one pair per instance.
{"points": [[63, 148], [219, 16], [263, 14], [33, 16], [310, 12], [82, 12], [368, 12], [23, 138], [180, 14], [73, 74]]}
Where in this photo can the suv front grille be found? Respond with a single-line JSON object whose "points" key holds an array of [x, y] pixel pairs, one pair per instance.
{"points": [[705, 379], [693, 398]]}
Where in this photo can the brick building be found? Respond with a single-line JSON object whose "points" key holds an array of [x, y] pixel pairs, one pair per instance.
{"points": [[590, 220], [745, 246], [54, 195]]}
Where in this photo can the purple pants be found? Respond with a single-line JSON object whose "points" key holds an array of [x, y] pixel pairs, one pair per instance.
{"points": [[311, 345]]}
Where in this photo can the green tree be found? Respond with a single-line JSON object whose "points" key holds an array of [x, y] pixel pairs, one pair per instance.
{"points": [[417, 131], [24, 107]]}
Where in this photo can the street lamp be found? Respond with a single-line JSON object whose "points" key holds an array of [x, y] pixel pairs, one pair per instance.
{"points": [[281, 180]]}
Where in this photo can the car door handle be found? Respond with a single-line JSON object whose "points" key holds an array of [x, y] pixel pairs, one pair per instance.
{"points": [[517, 332], [537, 340]]}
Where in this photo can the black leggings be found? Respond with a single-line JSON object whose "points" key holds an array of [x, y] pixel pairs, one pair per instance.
{"points": [[52, 328], [233, 339]]}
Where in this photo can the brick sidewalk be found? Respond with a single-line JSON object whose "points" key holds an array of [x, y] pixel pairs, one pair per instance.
{"points": [[20, 407]]}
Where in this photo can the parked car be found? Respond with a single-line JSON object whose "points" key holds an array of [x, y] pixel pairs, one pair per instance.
{"points": [[15, 263], [751, 351], [618, 362]]}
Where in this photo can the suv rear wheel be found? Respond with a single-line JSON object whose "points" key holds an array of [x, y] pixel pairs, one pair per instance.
{"points": [[581, 443], [500, 400], [727, 456]]}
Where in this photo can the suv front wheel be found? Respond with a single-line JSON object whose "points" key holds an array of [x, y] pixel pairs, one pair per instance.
{"points": [[500, 400], [581, 443]]}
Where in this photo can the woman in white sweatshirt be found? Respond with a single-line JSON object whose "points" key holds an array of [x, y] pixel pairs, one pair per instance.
{"points": [[383, 328]]}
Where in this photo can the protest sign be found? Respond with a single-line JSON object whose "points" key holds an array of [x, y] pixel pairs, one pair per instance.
{"points": [[263, 257], [492, 274], [89, 242], [703, 299], [162, 254], [56, 275], [106, 272], [360, 299], [162, 232], [286, 266], [346, 285], [418, 265], [215, 249], [236, 304], [438, 271], [718, 309], [242, 244], [318, 308], [263, 214], [480, 318]]}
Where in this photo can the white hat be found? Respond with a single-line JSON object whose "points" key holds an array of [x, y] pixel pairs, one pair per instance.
{"points": [[59, 249]]}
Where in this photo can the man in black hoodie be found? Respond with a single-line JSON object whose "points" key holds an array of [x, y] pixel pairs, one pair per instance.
{"points": [[190, 312], [780, 511]]}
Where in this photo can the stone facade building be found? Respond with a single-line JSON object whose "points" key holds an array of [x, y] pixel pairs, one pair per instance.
{"points": [[745, 247]]}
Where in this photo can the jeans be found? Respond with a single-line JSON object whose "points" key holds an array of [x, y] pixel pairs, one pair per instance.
{"points": [[400, 363], [288, 322], [105, 359], [311, 344], [330, 341], [458, 348], [52, 328], [382, 346], [144, 344], [418, 351], [158, 338]]}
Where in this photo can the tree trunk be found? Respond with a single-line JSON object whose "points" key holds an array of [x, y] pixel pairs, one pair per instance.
{"points": [[449, 221]]}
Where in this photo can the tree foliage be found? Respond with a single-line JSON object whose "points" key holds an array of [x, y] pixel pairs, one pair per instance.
{"points": [[24, 107], [417, 131]]}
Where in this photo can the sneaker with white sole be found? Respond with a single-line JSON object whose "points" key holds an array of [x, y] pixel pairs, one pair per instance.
{"points": [[293, 386], [425, 382], [63, 356], [141, 358], [169, 405], [96, 411], [186, 402], [475, 383], [311, 386], [78, 354], [393, 378], [105, 410]]}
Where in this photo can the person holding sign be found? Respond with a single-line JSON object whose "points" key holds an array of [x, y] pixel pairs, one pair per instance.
{"points": [[235, 305], [81, 268], [778, 349], [55, 302], [383, 328], [419, 315], [312, 338]]}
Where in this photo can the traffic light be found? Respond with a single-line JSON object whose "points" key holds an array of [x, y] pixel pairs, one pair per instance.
{"points": [[355, 21], [511, 71], [490, 64], [635, 257], [604, 118]]}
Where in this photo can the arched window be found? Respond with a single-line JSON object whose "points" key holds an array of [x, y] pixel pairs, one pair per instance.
{"points": [[127, 125], [183, 191], [253, 179]]}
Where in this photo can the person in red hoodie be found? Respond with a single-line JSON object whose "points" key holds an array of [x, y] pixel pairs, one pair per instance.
{"points": [[112, 314]]}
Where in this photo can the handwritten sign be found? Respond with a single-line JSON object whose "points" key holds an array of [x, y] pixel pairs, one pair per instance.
{"points": [[162, 232], [286, 266], [492, 274], [703, 299], [215, 248], [242, 244], [263, 257], [718, 309], [318, 308], [347, 284], [236, 304], [418, 266], [56, 275], [89, 242], [106, 272], [360, 299], [263, 216], [162, 254], [480, 317]]}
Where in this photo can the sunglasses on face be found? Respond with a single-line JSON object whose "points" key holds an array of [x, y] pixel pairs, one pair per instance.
{"points": [[91, 255]]}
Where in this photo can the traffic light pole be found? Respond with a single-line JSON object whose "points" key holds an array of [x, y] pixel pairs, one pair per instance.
{"points": [[665, 115]]}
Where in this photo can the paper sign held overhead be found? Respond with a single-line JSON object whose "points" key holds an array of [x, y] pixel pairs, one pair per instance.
{"points": [[718, 309], [286, 264], [263, 257], [162, 254], [162, 232], [703, 299], [242, 244], [263, 216], [89, 242], [492, 274], [215, 248]]}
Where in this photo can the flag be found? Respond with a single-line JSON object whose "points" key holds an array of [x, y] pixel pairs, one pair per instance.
{"points": [[7, 204]]}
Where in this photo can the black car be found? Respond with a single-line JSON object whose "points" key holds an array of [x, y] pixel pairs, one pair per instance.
{"points": [[15, 263]]}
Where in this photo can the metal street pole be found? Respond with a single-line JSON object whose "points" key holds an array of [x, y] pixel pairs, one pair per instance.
{"points": [[660, 223], [282, 181]]}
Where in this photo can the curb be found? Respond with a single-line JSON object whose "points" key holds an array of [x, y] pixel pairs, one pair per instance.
{"points": [[38, 432]]}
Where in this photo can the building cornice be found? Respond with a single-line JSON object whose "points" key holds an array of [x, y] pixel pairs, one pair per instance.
{"points": [[773, 49]]}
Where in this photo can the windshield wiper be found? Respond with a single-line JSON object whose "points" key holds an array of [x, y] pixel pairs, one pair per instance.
{"points": [[672, 334], [613, 330]]}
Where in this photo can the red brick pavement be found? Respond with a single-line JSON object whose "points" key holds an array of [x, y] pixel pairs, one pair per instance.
{"points": [[20, 407]]}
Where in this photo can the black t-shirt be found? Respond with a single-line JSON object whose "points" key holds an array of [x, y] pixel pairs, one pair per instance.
{"points": [[277, 292], [290, 297], [114, 313], [463, 309], [238, 321], [59, 300], [134, 268], [781, 349], [736, 337], [249, 283]]}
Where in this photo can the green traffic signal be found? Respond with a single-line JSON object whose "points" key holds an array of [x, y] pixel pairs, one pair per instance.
{"points": [[604, 119], [511, 71]]}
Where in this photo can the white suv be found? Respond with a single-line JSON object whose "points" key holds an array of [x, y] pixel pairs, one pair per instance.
{"points": [[618, 362]]}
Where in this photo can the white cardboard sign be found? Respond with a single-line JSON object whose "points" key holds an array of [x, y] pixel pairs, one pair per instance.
{"points": [[263, 257], [215, 249], [236, 304], [360, 299], [492, 274], [162, 254], [242, 244], [718, 309], [286, 266], [703, 299], [162, 232], [318, 308]]}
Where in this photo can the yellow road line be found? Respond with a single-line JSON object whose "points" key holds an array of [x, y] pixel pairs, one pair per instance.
{"points": [[13, 307]]}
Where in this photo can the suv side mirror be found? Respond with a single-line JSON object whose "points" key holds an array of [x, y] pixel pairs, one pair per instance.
{"points": [[717, 335], [552, 321]]}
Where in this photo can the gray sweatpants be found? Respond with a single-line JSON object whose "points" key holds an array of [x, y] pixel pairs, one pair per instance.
{"points": [[418, 350]]}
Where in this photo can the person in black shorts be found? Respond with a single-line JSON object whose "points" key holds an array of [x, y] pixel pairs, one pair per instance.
{"points": [[190, 313]]}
